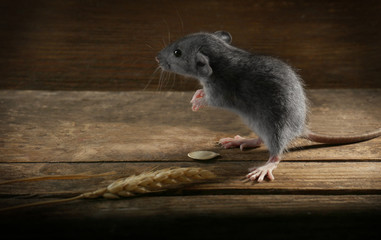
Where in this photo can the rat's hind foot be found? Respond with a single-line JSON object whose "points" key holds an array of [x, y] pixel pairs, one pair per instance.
{"points": [[240, 142], [260, 173], [198, 100]]}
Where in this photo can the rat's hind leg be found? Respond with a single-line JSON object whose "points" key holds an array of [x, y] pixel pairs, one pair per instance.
{"points": [[276, 144], [240, 142], [260, 173]]}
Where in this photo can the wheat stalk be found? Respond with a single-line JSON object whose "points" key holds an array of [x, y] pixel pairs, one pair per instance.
{"points": [[146, 182], [152, 181], [57, 177]]}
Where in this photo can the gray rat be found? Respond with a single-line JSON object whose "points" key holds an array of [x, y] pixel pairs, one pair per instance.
{"points": [[264, 91]]}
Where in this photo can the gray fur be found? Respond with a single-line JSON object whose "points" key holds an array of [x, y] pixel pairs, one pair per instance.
{"points": [[264, 91]]}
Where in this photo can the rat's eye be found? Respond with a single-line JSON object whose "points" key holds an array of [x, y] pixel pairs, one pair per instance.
{"points": [[177, 53], [200, 64]]}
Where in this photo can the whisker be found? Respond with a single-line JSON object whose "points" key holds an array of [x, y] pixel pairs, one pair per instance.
{"points": [[151, 78], [181, 22], [163, 80], [164, 44], [161, 76], [174, 81], [169, 32], [149, 46], [168, 80], [166, 77]]}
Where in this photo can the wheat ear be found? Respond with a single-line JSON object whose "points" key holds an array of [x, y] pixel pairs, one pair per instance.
{"points": [[146, 182], [152, 181]]}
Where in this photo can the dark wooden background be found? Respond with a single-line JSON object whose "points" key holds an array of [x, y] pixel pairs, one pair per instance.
{"points": [[111, 45]]}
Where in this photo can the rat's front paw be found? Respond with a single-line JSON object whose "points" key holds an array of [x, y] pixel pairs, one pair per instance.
{"points": [[198, 94], [198, 101], [260, 173]]}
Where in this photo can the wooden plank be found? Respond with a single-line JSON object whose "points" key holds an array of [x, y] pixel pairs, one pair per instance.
{"points": [[212, 205], [291, 177], [42, 126], [102, 45], [189, 217]]}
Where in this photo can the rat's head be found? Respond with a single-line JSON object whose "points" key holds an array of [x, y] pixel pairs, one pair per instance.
{"points": [[185, 56]]}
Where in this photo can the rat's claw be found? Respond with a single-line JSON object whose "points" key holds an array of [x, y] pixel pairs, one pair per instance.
{"points": [[237, 141], [243, 146], [270, 175], [253, 175], [260, 173], [197, 104], [198, 94], [227, 140]]}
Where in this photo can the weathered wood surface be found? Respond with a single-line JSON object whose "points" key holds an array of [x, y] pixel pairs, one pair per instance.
{"points": [[317, 187], [38, 126], [210, 205], [203, 217], [291, 178], [111, 45]]}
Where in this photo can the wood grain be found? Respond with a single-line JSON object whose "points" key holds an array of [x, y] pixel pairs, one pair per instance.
{"points": [[320, 191], [209, 205], [39, 126], [291, 178], [111, 45], [189, 217]]}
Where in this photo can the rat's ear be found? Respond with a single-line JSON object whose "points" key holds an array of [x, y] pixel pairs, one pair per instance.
{"points": [[224, 36], [202, 65]]}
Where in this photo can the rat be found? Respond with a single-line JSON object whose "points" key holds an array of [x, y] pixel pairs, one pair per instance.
{"points": [[264, 91]]}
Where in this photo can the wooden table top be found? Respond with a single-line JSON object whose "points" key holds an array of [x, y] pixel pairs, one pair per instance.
{"points": [[65, 132]]}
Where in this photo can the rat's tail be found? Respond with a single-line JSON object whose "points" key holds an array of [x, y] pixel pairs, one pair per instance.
{"points": [[340, 140]]}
